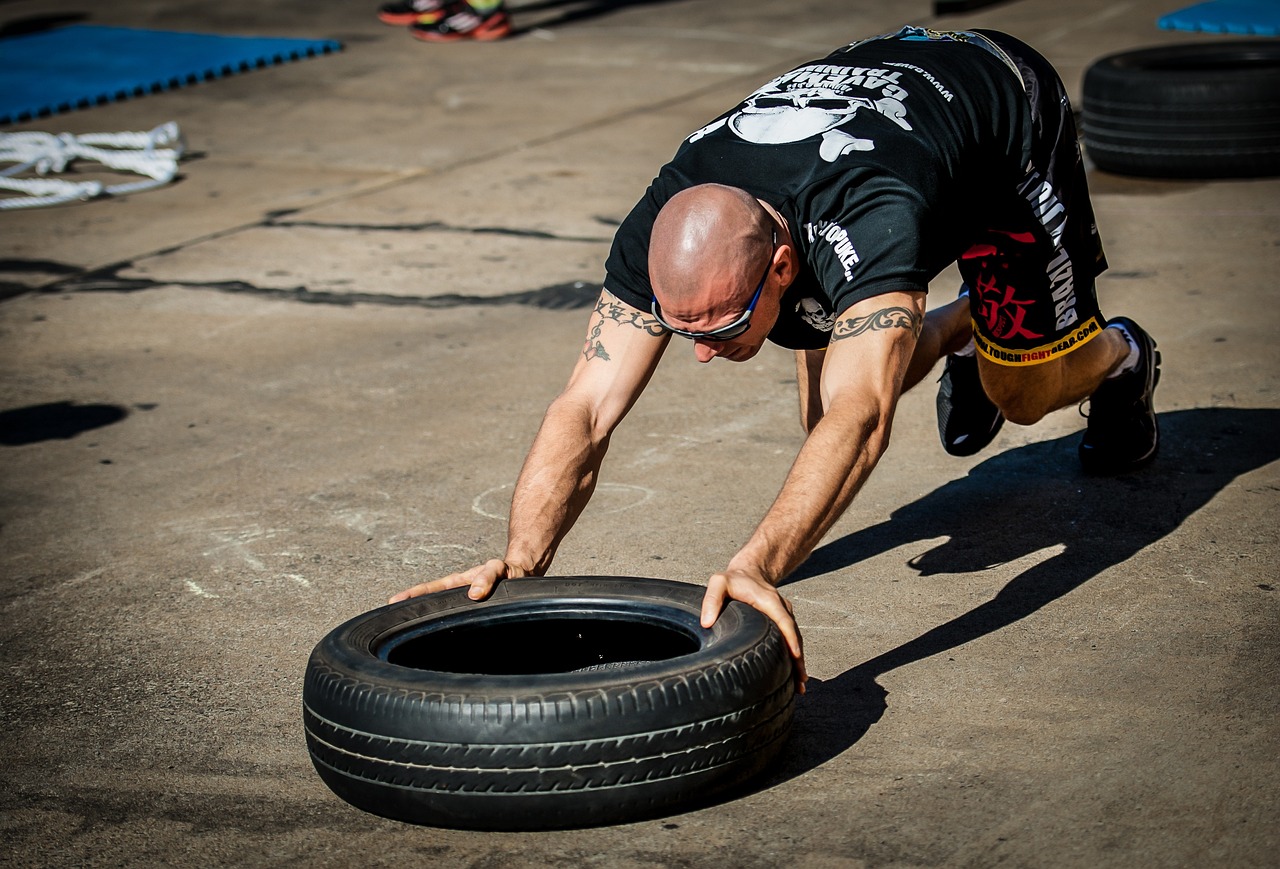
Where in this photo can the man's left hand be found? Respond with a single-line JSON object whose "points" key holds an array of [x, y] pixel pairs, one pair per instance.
{"points": [[754, 590]]}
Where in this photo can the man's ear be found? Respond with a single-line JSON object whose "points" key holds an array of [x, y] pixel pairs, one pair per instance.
{"points": [[788, 266]]}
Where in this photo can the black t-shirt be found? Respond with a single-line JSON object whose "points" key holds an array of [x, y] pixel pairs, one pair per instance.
{"points": [[882, 157]]}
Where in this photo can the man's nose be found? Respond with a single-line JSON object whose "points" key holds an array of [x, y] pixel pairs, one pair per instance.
{"points": [[706, 351]]}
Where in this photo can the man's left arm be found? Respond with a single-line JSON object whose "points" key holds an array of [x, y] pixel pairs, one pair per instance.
{"points": [[862, 376]]}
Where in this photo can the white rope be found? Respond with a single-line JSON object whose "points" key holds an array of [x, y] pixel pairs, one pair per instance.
{"points": [[154, 154]]}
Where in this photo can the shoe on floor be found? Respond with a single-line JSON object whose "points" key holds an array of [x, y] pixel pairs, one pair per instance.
{"points": [[967, 419], [461, 21], [1123, 434], [402, 13]]}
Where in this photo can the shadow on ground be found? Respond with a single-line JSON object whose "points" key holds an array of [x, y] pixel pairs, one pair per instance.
{"points": [[1010, 506], [39, 23], [60, 420]]}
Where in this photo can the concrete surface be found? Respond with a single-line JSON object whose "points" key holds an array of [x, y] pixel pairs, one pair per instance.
{"points": [[252, 404]]}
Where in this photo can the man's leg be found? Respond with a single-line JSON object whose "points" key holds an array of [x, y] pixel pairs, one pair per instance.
{"points": [[946, 330], [1026, 394], [1117, 372], [1031, 271]]}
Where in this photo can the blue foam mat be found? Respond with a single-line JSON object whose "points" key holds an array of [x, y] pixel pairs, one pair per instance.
{"points": [[1240, 17], [86, 65]]}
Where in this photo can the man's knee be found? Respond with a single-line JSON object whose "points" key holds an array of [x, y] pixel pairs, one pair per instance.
{"points": [[1023, 409], [1025, 395]]}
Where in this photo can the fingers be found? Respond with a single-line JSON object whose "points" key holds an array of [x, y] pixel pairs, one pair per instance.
{"points": [[795, 644], [713, 601], [766, 599], [791, 633], [481, 579], [451, 581], [484, 577], [802, 672]]}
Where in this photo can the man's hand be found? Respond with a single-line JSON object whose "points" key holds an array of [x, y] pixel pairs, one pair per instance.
{"points": [[482, 578], [754, 590]]}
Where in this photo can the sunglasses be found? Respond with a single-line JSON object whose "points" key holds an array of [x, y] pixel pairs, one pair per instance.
{"points": [[731, 330]]}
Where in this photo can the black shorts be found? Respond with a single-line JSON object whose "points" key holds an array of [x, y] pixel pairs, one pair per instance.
{"points": [[1031, 271]]}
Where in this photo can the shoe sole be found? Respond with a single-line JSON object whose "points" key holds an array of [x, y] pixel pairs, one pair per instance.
{"points": [[477, 35], [971, 446]]}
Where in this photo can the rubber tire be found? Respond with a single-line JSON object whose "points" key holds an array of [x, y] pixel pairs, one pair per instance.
{"points": [[618, 741], [1202, 110]]}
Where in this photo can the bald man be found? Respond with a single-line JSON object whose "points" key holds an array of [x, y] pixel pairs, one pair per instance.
{"points": [[814, 214]]}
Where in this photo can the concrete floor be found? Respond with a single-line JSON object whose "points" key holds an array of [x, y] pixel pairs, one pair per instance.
{"points": [[304, 377]]}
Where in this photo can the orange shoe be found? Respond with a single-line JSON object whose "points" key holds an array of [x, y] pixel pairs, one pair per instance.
{"points": [[462, 21]]}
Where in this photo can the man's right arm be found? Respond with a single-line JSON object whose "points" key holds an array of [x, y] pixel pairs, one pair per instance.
{"points": [[621, 351]]}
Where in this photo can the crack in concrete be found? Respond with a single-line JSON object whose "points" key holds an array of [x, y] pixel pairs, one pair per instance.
{"points": [[574, 294], [275, 221], [557, 297]]}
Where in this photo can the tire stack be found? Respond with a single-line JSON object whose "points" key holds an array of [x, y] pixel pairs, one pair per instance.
{"points": [[1203, 110]]}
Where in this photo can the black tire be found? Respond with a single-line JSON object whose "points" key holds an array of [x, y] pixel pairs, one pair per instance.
{"points": [[556, 703], [1204, 110]]}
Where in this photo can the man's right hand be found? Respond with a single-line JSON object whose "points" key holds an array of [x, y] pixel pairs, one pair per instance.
{"points": [[482, 578]]}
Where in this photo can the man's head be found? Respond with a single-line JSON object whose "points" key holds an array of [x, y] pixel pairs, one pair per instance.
{"points": [[715, 270]]}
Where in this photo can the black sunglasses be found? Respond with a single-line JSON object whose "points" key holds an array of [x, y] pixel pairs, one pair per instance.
{"points": [[727, 332]]}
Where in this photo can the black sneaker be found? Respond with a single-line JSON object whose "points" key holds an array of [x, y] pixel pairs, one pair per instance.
{"points": [[1123, 434], [967, 419]]}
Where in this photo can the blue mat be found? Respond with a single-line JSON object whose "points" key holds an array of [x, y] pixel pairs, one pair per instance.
{"points": [[1241, 17], [84, 65]]}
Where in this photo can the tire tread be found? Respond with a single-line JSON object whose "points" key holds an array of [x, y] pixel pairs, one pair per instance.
{"points": [[556, 751]]}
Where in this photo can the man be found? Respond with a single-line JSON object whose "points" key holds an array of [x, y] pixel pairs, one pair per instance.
{"points": [[814, 214]]}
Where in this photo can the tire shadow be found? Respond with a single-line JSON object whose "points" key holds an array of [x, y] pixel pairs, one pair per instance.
{"points": [[1102, 522]]}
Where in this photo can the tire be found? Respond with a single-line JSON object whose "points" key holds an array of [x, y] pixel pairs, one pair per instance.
{"points": [[1204, 110], [555, 703]]}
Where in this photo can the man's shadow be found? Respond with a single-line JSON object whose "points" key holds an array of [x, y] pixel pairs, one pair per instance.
{"points": [[1014, 504]]}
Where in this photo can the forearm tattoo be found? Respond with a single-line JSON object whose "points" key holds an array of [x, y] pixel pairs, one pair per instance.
{"points": [[885, 318], [610, 309]]}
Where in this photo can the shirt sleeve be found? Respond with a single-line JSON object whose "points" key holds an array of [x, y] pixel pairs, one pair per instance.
{"points": [[874, 244], [627, 267]]}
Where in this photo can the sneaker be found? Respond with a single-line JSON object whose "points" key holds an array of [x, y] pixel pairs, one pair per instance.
{"points": [[402, 13], [967, 419], [1123, 434], [461, 21]]}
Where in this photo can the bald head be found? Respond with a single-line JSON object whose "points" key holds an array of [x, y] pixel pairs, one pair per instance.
{"points": [[708, 247]]}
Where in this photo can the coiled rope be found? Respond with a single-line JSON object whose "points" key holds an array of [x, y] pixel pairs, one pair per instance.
{"points": [[154, 154]]}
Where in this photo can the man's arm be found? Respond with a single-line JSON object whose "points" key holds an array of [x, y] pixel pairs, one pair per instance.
{"points": [[621, 351], [862, 375], [808, 382]]}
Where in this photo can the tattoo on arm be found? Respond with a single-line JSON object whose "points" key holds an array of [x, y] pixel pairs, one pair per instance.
{"points": [[885, 318], [609, 309]]}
